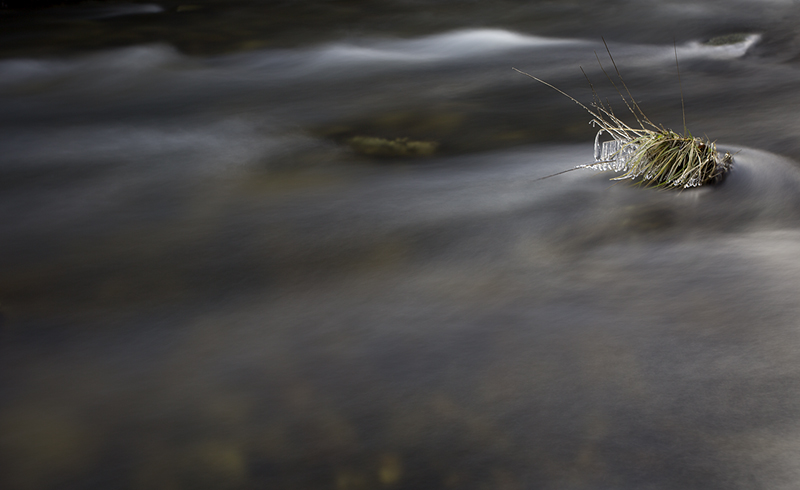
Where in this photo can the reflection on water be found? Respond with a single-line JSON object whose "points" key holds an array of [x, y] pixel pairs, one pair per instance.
{"points": [[207, 284]]}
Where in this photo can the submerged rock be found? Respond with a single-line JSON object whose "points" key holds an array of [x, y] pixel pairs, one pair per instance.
{"points": [[398, 147], [735, 38]]}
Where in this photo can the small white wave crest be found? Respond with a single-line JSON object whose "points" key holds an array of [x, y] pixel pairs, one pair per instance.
{"points": [[458, 44], [724, 51], [369, 55]]}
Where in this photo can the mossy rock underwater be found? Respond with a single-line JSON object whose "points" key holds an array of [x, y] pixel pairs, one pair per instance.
{"points": [[727, 39], [396, 148]]}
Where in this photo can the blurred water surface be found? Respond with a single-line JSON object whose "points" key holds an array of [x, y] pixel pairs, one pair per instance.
{"points": [[303, 245]]}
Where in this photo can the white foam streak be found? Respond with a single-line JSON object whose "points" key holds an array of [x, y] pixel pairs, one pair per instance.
{"points": [[695, 49], [342, 58], [214, 146], [97, 69], [458, 44], [370, 55], [440, 48]]}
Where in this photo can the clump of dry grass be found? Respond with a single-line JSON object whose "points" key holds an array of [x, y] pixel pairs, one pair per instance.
{"points": [[663, 158], [656, 156]]}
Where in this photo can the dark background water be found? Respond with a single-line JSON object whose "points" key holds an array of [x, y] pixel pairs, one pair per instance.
{"points": [[251, 244]]}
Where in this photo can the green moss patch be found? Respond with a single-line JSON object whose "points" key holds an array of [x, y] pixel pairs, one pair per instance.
{"points": [[396, 148], [736, 38]]}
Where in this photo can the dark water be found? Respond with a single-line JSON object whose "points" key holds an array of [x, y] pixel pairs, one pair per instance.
{"points": [[214, 275]]}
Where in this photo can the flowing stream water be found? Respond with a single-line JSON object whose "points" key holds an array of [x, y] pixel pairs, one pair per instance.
{"points": [[297, 245]]}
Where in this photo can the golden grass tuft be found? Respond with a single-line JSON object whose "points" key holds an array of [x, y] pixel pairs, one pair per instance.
{"points": [[652, 155], [667, 159]]}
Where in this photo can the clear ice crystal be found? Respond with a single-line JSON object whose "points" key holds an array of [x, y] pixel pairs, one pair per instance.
{"points": [[612, 155]]}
